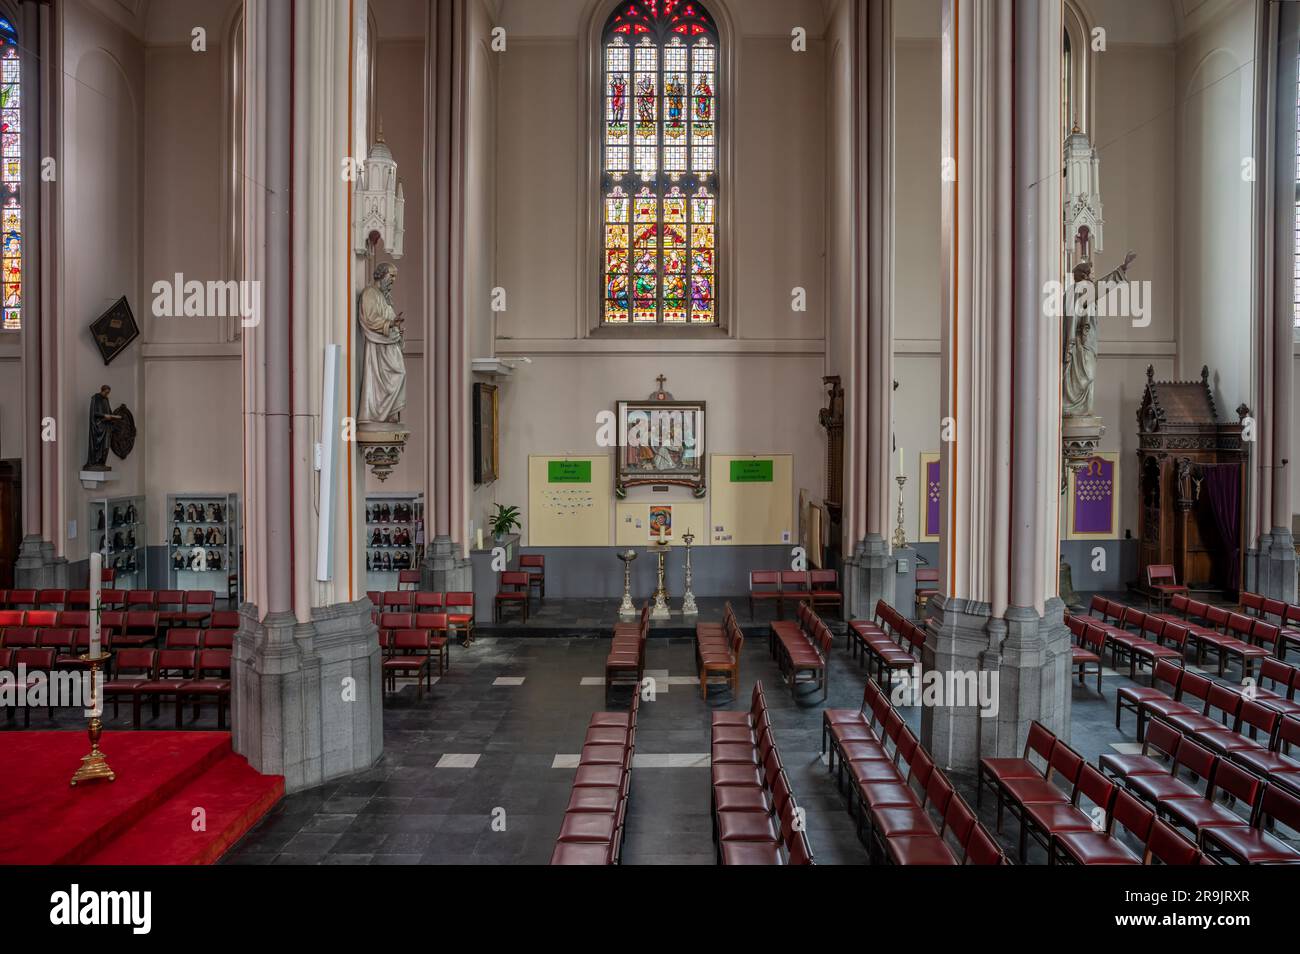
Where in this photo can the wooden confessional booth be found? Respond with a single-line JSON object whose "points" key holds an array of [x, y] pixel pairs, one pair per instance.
{"points": [[1192, 481]]}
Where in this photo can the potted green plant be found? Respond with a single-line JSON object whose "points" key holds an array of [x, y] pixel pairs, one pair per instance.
{"points": [[503, 521]]}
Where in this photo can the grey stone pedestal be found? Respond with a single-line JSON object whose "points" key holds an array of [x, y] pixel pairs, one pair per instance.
{"points": [[445, 570], [307, 698], [1274, 565], [869, 577], [38, 568], [998, 674]]}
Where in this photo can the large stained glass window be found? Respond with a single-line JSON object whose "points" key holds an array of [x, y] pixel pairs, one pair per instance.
{"points": [[659, 164], [11, 214]]}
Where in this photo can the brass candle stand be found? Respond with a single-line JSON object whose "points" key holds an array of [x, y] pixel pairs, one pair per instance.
{"points": [[95, 765], [900, 535], [688, 599], [626, 608]]}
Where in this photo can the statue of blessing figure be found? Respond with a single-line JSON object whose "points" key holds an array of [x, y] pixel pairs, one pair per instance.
{"points": [[1080, 371], [383, 378]]}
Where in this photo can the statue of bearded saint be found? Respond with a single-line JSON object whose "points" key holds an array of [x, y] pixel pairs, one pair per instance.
{"points": [[1079, 375], [383, 378]]}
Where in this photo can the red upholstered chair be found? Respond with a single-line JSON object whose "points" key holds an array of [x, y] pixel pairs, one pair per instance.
{"points": [[52, 599], [61, 641], [139, 628], [199, 605], [23, 599], [428, 602], [141, 599], [514, 589], [825, 585], [993, 773], [80, 645], [170, 604], [1168, 847], [460, 613], [398, 600], [438, 627], [224, 619], [183, 638], [77, 600], [1253, 845], [74, 619], [1106, 847], [21, 637], [112, 599], [408, 579], [1162, 582], [410, 655], [211, 678], [927, 585], [130, 669], [764, 586], [376, 598], [172, 669], [534, 564], [795, 588], [108, 576], [41, 619], [11, 618], [35, 660], [219, 639]]}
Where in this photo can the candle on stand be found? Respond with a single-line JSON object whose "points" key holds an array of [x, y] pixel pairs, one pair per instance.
{"points": [[661, 533], [900, 460], [478, 534], [96, 584]]}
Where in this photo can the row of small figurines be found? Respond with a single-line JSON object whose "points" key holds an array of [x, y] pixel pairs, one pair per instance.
{"points": [[388, 561], [121, 518], [119, 542], [383, 513], [198, 513], [198, 537], [123, 564], [398, 538], [196, 559]]}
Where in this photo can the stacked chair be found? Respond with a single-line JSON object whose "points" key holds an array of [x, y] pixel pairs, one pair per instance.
{"points": [[717, 652], [755, 818], [592, 830], [890, 641], [907, 809], [802, 649]]}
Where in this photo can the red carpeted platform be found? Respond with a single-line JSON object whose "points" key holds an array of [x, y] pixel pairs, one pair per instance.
{"points": [[146, 817]]}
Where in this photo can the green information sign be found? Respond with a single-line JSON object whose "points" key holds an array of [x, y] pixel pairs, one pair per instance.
{"points": [[751, 471], [570, 471]]}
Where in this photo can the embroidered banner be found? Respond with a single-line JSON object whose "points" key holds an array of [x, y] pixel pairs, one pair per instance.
{"points": [[930, 498], [1094, 498]]}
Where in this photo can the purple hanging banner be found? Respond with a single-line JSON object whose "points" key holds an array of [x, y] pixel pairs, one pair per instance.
{"points": [[1094, 498], [932, 498]]}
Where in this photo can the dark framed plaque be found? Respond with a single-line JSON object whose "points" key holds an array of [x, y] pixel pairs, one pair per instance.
{"points": [[114, 330]]}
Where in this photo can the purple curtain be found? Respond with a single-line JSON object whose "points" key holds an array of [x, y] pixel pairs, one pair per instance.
{"points": [[1223, 487]]}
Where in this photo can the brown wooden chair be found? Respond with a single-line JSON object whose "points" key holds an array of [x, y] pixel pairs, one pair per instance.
{"points": [[1162, 582], [535, 565], [514, 589], [764, 585], [927, 585]]}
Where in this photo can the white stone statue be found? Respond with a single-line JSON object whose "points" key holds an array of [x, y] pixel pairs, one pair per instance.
{"points": [[1080, 371], [383, 378]]}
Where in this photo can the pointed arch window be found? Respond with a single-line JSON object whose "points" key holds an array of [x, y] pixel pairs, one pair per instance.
{"points": [[659, 165], [11, 169]]}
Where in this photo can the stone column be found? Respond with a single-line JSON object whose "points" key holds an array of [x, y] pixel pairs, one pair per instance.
{"points": [[996, 629], [37, 564], [1272, 571], [306, 700], [446, 564], [870, 572]]}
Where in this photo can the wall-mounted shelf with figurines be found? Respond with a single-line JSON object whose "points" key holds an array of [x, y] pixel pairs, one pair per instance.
{"points": [[117, 531], [394, 537], [203, 542]]}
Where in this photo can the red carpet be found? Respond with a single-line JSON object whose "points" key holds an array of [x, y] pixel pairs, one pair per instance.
{"points": [[145, 817]]}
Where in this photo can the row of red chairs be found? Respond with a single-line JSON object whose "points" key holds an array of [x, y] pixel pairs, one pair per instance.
{"points": [[171, 602], [1225, 632], [592, 830], [717, 652], [458, 605], [802, 649], [1228, 809], [625, 662], [892, 641], [184, 675], [818, 587], [1155, 630], [909, 810], [1188, 700], [1082, 822], [74, 640], [755, 818], [1286, 614]]}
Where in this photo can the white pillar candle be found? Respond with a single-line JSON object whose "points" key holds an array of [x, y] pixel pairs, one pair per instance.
{"points": [[900, 461], [478, 538], [96, 584]]}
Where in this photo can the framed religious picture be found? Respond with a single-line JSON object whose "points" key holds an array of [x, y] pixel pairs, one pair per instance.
{"points": [[1094, 499], [486, 439], [928, 516], [659, 443], [114, 330]]}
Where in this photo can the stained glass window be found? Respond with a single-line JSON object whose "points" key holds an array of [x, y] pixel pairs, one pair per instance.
{"points": [[11, 215], [659, 164]]}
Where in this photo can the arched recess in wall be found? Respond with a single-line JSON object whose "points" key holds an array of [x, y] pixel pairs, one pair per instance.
{"points": [[1078, 82], [590, 105]]}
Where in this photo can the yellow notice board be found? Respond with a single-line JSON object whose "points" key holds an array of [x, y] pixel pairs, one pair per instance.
{"points": [[752, 499], [568, 501]]}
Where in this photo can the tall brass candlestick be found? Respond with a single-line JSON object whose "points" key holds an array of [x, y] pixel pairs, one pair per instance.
{"points": [[94, 765], [900, 535]]}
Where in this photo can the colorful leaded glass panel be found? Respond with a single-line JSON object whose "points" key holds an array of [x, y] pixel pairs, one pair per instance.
{"points": [[11, 210], [659, 185]]}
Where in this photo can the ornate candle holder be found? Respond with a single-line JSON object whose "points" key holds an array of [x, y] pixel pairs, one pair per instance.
{"points": [[95, 765], [660, 609], [688, 599], [626, 608], [900, 535]]}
